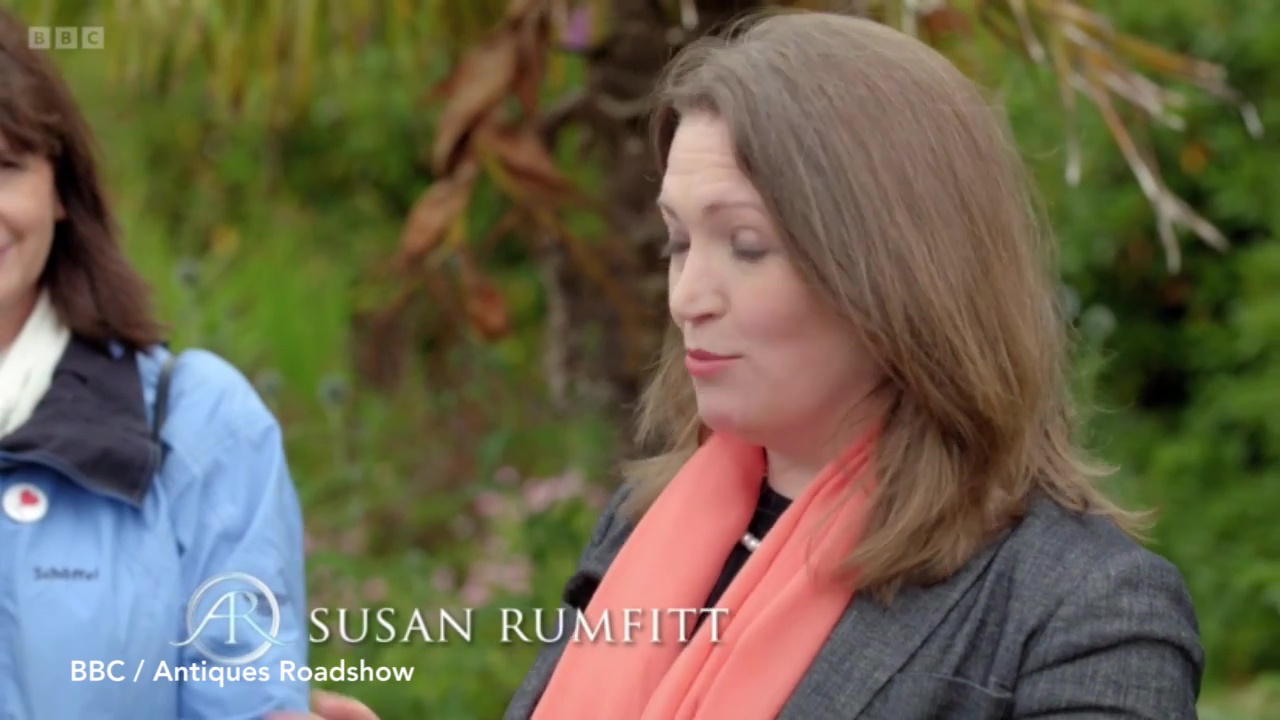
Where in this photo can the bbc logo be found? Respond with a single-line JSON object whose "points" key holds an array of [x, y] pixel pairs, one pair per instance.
{"points": [[66, 38]]}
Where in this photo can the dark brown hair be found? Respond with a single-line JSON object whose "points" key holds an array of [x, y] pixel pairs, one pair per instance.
{"points": [[98, 295], [903, 203]]}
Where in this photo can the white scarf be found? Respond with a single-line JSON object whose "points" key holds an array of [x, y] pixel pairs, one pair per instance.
{"points": [[27, 365]]}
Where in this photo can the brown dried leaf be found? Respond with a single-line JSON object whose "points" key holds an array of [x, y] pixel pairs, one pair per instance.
{"points": [[1066, 11], [944, 22], [485, 307], [1194, 158], [482, 78], [520, 9], [1208, 76], [534, 34], [521, 153], [439, 207], [487, 312]]}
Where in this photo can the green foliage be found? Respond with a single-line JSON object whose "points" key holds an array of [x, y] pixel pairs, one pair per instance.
{"points": [[265, 262], [467, 488], [1186, 385]]}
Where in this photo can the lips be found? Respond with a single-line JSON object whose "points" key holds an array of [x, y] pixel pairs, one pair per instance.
{"points": [[704, 364], [709, 356]]}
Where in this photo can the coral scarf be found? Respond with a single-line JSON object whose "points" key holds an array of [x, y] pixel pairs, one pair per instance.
{"points": [[780, 611]]}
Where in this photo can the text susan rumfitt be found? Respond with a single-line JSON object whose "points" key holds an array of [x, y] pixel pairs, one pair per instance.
{"points": [[622, 626]]}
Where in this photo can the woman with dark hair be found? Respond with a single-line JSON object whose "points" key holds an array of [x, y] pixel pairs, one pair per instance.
{"points": [[153, 553], [868, 461]]}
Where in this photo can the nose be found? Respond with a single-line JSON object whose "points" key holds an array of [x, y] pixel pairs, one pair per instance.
{"points": [[694, 292]]}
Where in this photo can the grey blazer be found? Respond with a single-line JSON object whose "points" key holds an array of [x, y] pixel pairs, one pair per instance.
{"points": [[1062, 616]]}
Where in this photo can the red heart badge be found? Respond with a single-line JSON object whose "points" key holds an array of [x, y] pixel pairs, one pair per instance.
{"points": [[25, 503]]}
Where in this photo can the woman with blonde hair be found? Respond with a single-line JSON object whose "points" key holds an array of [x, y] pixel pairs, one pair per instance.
{"points": [[869, 463]]}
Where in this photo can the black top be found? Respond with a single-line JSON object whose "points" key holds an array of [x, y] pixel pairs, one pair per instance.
{"points": [[769, 508], [770, 505]]}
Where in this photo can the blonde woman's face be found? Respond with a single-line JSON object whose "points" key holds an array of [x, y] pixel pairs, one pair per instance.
{"points": [[769, 363]]}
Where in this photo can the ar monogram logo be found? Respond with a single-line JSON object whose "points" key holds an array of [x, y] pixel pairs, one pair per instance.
{"points": [[240, 594]]}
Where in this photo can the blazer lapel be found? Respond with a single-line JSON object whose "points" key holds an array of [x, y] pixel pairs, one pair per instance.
{"points": [[872, 642]]}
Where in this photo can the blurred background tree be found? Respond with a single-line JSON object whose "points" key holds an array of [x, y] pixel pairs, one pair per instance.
{"points": [[426, 230]]}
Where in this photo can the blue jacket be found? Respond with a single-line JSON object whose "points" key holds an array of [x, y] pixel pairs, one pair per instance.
{"points": [[107, 535]]}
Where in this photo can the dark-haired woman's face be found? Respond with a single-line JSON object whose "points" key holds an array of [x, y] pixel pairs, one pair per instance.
{"points": [[29, 210]]}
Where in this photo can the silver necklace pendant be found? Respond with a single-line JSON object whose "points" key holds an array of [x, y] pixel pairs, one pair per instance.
{"points": [[750, 542]]}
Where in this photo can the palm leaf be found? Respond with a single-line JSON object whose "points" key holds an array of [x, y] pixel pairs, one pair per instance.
{"points": [[1090, 57]]}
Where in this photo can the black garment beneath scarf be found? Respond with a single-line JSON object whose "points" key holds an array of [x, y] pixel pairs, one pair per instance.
{"points": [[769, 507]]}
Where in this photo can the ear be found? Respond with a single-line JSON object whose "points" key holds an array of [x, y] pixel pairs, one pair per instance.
{"points": [[60, 212]]}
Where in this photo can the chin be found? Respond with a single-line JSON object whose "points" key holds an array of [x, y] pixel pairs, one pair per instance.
{"points": [[728, 421]]}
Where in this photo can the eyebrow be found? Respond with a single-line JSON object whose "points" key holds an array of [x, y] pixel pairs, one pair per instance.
{"points": [[715, 207]]}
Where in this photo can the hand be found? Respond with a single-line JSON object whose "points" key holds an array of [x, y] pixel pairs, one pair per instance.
{"points": [[329, 706]]}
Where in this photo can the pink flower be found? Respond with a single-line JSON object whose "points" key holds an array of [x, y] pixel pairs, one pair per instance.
{"points": [[542, 494], [474, 594], [515, 575], [374, 590], [577, 33], [537, 496], [507, 476], [443, 580], [489, 504]]}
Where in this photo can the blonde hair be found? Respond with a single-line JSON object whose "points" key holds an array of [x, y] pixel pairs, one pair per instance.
{"points": [[905, 205]]}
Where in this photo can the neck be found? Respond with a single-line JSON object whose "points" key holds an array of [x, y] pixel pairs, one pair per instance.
{"points": [[14, 316], [793, 465]]}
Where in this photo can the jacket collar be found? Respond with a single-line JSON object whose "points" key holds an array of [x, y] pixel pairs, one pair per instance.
{"points": [[91, 426]]}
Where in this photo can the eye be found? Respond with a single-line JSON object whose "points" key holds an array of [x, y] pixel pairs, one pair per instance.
{"points": [[748, 244]]}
